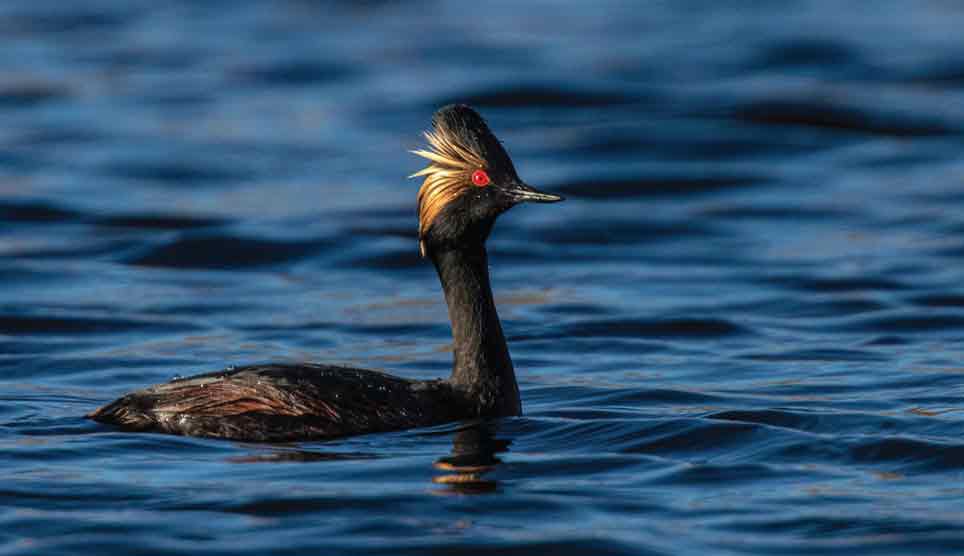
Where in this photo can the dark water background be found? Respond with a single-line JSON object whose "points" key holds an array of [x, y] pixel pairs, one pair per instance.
{"points": [[742, 334]]}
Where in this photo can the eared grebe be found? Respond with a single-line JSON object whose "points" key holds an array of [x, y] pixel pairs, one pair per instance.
{"points": [[469, 182]]}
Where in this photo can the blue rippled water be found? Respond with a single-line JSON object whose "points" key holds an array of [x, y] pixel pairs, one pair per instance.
{"points": [[742, 334]]}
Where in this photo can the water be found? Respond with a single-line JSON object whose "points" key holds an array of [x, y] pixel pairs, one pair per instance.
{"points": [[742, 334]]}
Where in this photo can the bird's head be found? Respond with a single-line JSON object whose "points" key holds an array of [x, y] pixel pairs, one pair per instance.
{"points": [[469, 182]]}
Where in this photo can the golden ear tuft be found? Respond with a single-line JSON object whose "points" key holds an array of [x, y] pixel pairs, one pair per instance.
{"points": [[446, 177]]}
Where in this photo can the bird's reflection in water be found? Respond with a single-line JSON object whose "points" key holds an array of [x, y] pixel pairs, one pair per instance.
{"points": [[473, 456], [298, 456]]}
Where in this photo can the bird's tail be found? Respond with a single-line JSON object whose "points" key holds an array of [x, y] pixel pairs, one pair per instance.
{"points": [[126, 412]]}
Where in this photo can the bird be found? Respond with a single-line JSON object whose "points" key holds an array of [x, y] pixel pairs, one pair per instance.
{"points": [[470, 180]]}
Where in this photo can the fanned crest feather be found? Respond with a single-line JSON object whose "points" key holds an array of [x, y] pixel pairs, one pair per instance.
{"points": [[446, 177]]}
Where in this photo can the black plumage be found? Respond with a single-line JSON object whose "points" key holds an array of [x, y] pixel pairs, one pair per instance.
{"points": [[457, 209]]}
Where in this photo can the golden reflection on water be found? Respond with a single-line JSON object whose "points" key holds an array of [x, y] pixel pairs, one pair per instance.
{"points": [[472, 458]]}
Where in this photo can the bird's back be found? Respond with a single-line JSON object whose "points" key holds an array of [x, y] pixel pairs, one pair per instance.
{"points": [[274, 403]]}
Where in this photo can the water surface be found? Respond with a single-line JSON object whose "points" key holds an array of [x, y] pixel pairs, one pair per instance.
{"points": [[742, 334]]}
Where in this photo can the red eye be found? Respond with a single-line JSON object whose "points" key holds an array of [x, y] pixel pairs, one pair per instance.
{"points": [[480, 178]]}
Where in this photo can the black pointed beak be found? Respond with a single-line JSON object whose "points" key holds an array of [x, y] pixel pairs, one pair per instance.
{"points": [[522, 193]]}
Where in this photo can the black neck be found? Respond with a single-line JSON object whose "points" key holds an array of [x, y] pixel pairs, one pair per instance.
{"points": [[482, 367]]}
